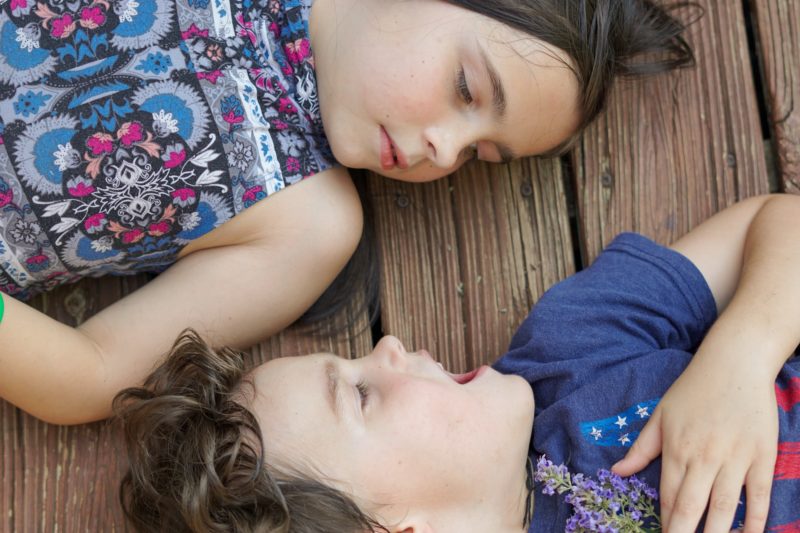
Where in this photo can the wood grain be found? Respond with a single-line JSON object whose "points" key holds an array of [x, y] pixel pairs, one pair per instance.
{"points": [[464, 258], [674, 149], [64, 478], [778, 33]]}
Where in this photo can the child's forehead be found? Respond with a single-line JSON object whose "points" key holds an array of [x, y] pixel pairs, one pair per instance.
{"points": [[291, 366], [286, 387], [293, 381]]}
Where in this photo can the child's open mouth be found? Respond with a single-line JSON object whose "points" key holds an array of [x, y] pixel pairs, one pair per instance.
{"points": [[463, 379]]}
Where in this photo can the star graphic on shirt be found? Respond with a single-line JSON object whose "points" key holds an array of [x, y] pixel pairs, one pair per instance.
{"points": [[622, 421], [642, 411], [596, 433], [624, 439]]}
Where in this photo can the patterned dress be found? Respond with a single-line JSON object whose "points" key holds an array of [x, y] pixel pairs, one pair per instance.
{"points": [[128, 128]]}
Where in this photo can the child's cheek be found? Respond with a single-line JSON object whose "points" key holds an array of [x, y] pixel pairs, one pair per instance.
{"points": [[435, 414]]}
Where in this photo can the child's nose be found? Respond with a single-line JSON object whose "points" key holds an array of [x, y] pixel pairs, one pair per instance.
{"points": [[390, 349]]}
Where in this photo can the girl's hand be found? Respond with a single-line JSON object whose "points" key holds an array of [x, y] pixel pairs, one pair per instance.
{"points": [[716, 429]]}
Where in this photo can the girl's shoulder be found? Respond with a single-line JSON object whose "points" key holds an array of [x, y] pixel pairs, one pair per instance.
{"points": [[324, 204]]}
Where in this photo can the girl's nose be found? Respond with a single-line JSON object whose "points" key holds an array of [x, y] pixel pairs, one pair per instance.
{"points": [[445, 145]]}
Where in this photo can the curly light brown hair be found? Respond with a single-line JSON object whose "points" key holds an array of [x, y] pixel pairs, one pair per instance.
{"points": [[197, 459]]}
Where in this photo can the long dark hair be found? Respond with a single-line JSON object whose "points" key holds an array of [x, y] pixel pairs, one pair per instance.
{"points": [[605, 39], [197, 461], [358, 278]]}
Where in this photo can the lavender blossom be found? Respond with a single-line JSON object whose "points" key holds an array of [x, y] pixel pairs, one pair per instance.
{"points": [[608, 504]]}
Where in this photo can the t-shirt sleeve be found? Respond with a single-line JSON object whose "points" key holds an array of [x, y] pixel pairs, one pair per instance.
{"points": [[637, 296]]}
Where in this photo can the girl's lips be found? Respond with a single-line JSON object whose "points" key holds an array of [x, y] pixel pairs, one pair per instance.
{"points": [[391, 156], [387, 156]]}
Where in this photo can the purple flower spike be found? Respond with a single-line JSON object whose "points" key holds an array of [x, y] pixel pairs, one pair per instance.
{"points": [[608, 504], [572, 524]]}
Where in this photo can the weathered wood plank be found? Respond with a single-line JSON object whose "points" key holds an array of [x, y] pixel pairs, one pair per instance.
{"points": [[416, 237], [464, 258], [778, 34], [673, 150], [66, 478]]}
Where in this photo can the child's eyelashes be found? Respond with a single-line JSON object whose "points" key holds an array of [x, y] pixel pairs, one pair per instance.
{"points": [[363, 392], [462, 88]]}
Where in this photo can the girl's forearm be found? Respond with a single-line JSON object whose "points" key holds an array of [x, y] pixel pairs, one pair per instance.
{"points": [[760, 327], [242, 288], [48, 369]]}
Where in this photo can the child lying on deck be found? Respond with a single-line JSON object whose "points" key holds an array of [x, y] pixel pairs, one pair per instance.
{"points": [[391, 440]]}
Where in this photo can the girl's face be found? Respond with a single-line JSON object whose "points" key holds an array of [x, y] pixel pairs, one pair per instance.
{"points": [[412, 88], [398, 433]]}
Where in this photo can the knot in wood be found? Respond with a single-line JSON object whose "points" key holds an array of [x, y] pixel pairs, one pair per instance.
{"points": [[402, 201], [730, 160], [526, 189], [75, 305], [606, 180]]}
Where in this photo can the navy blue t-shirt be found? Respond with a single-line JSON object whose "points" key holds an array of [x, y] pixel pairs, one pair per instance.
{"points": [[602, 347]]}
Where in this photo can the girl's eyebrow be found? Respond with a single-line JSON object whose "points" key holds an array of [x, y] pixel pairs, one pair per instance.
{"points": [[498, 92], [498, 101]]}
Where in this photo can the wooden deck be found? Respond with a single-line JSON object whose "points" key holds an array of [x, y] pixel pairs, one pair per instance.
{"points": [[464, 258]]}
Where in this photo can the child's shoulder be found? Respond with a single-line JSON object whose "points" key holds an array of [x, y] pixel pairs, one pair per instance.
{"points": [[636, 296]]}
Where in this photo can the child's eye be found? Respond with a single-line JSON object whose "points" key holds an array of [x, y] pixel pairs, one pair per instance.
{"points": [[363, 392], [462, 88]]}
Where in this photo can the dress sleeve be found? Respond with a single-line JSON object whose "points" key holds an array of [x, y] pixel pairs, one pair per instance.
{"points": [[636, 297]]}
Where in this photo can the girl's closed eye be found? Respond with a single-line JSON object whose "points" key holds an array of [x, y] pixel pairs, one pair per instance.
{"points": [[363, 392], [462, 88], [469, 153]]}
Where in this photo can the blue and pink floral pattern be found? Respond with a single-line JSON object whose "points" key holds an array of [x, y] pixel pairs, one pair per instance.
{"points": [[128, 128]]}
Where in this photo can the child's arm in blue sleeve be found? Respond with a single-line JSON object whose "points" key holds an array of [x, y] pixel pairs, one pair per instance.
{"points": [[716, 428]]}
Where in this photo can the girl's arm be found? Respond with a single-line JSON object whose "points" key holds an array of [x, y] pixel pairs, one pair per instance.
{"points": [[717, 427], [234, 295]]}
